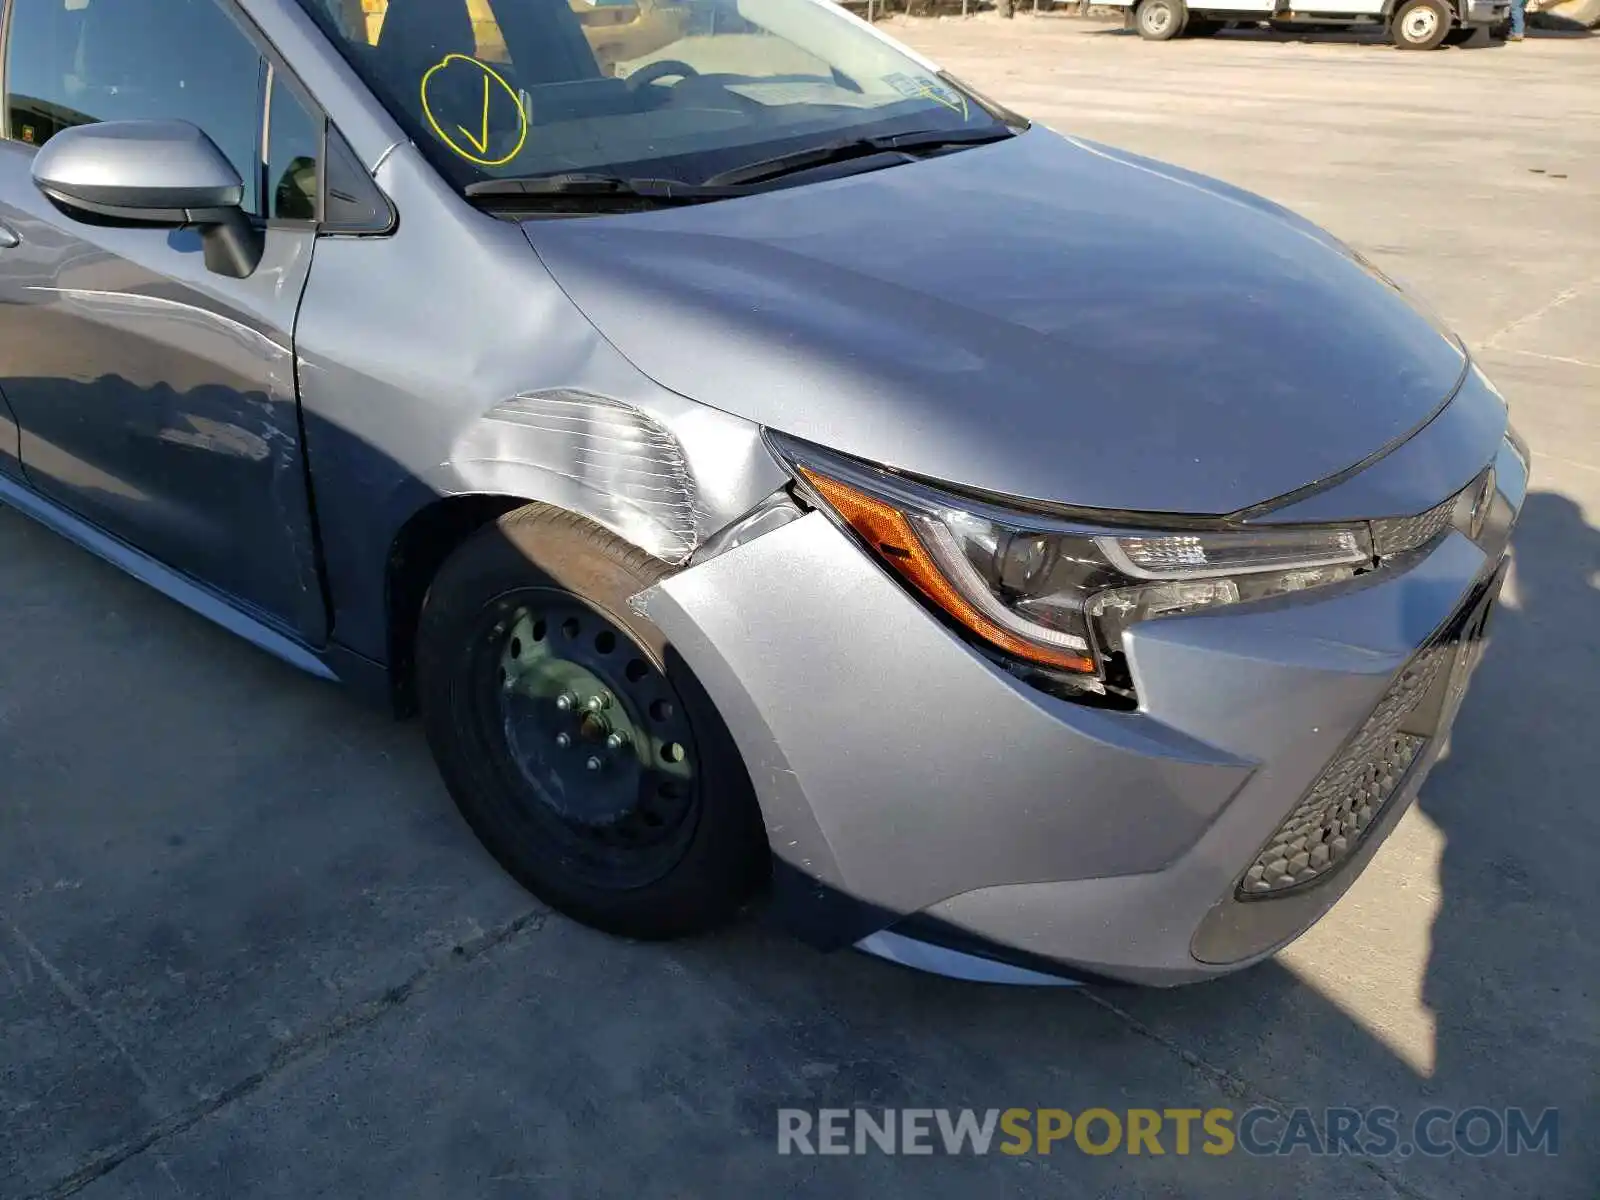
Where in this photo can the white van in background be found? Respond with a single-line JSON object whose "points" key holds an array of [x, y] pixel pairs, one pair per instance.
{"points": [[1412, 24]]}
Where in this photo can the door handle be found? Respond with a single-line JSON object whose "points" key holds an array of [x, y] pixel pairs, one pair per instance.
{"points": [[8, 237]]}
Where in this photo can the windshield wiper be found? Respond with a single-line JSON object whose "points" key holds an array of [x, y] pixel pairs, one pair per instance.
{"points": [[582, 184], [862, 147], [570, 185]]}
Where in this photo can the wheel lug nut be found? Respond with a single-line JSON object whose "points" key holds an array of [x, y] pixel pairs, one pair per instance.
{"points": [[593, 763], [594, 704], [564, 702], [563, 740], [616, 741]]}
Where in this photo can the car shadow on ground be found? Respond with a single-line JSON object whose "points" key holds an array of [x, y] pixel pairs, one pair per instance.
{"points": [[1511, 970]]}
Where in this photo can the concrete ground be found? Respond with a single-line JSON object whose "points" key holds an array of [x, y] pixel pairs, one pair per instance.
{"points": [[247, 948]]}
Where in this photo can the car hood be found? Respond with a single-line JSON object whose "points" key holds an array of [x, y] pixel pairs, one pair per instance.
{"points": [[1042, 317]]}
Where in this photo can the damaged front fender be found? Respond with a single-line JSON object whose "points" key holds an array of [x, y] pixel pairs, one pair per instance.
{"points": [[617, 465]]}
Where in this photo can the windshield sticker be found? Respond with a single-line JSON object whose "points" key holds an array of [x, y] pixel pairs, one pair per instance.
{"points": [[925, 88], [443, 86]]}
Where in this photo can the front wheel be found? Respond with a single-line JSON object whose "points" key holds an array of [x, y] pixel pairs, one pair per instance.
{"points": [[581, 750], [1160, 20], [1420, 25]]}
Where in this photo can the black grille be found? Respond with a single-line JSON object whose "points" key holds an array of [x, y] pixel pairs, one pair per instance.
{"points": [[1396, 535], [1336, 813]]}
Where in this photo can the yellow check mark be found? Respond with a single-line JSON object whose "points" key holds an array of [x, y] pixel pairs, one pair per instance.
{"points": [[474, 147], [480, 144]]}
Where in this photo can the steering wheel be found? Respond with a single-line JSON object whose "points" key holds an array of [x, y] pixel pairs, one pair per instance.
{"points": [[663, 68]]}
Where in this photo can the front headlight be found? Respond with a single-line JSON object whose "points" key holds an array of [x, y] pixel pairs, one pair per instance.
{"points": [[1053, 594]]}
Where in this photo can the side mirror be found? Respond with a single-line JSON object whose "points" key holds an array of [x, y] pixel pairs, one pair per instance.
{"points": [[162, 173]]}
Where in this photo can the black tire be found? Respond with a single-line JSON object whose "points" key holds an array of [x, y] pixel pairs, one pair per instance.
{"points": [[665, 839], [1420, 24], [1160, 20]]}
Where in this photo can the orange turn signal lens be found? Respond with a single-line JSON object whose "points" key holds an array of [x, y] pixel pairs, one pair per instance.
{"points": [[885, 529]]}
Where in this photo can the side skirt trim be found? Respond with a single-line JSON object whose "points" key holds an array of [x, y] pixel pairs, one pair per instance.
{"points": [[172, 584], [954, 964]]}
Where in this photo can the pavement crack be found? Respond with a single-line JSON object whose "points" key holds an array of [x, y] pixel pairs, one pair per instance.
{"points": [[301, 1046], [1560, 358], [1544, 309], [75, 998], [1237, 1086], [1569, 462], [1233, 1085]]}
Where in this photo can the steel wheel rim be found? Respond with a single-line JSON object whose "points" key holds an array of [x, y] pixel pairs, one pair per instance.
{"points": [[598, 749], [1157, 17], [1421, 24]]}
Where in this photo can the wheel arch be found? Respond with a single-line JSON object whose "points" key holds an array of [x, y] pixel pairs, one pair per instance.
{"points": [[662, 486], [416, 552], [434, 529]]}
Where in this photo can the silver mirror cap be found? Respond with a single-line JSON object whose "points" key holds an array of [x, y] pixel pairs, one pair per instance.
{"points": [[151, 171]]}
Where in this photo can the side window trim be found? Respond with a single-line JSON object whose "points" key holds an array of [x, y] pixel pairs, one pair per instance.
{"points": [[277, 74], [6, 7], [277, 71], [263, 97], [367, 210], [335, 158]]}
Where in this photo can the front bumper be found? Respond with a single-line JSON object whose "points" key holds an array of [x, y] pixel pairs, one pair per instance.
{"points": [[1486, 12], [919, 798]]}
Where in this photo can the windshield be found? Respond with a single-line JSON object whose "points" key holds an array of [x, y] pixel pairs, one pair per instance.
{"points": [[673, 89]]}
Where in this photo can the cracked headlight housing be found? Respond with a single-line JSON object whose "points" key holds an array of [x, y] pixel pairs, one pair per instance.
{"points": [[1053, 596]]}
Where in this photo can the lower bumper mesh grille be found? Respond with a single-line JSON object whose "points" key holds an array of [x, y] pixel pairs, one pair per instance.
{"points": [[1336, 813]]}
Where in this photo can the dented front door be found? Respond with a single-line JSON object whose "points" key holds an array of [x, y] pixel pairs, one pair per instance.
{"points": [[157, 399]]}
